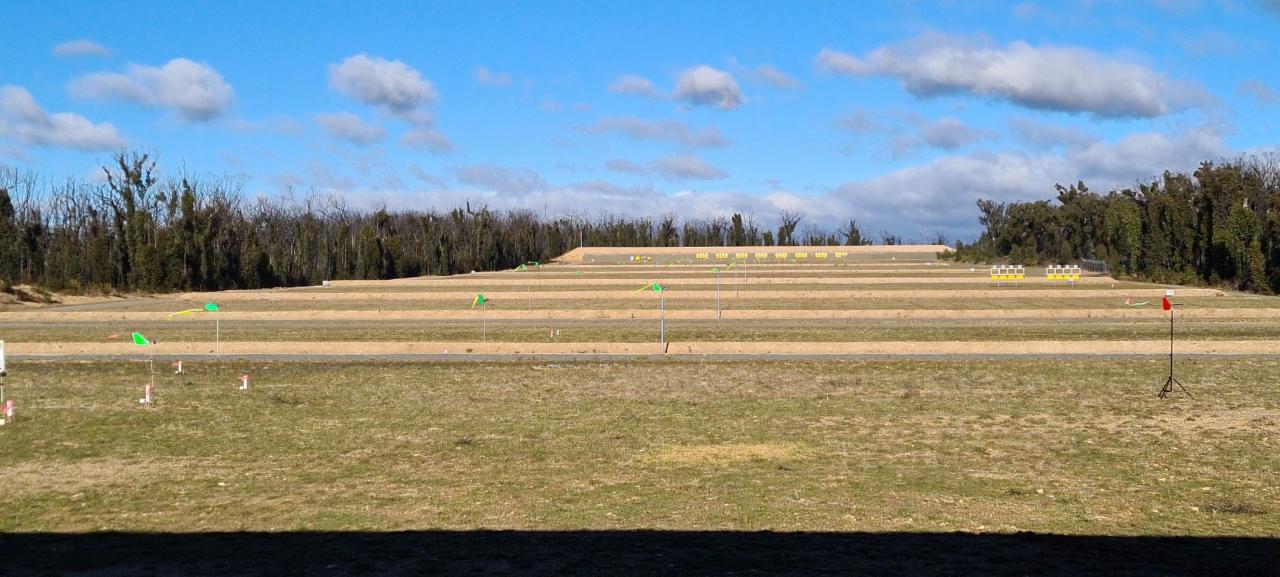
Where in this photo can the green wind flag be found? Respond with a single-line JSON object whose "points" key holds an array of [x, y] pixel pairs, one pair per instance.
{"points": [[653, 285], [479, 300], [140, 340], [211, 307]]}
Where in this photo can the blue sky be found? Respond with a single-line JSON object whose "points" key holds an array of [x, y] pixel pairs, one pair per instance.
{"points": [[900, 115]]}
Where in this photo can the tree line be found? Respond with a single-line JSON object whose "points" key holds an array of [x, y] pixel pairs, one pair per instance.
{"points": [[138, 231], [1219, 225]]}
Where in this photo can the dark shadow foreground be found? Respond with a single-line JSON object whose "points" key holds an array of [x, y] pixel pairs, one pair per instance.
{"points": [[630, 553]]}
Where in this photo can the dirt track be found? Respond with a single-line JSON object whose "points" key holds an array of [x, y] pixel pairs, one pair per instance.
{"points": [[1147, 347], [934, 294], [1149, 312]]}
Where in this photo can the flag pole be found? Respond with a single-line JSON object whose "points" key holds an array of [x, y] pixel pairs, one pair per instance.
{"points": [[1172, 380]]}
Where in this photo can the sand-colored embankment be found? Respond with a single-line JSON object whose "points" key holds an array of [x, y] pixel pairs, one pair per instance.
{"points": [[1149, 347], [707, 279], [458, 296], [499, 314], [585, 253]]}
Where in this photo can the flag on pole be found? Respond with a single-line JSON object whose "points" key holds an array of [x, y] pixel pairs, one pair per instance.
{"points": [[184, 312], [653, 285], [479, 300], [1165, 304], [140, 340], [211, 307]]}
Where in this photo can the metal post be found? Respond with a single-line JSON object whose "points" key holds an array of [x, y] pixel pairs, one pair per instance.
{"points": [[1170, 342], [217, 334], [484, 321], [662, 319]]}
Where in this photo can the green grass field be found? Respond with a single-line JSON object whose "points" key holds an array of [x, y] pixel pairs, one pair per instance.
{"points": [[1067, 447]]}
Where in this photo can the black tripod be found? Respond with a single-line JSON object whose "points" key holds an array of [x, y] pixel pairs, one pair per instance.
{"points": [[1171, 381]]}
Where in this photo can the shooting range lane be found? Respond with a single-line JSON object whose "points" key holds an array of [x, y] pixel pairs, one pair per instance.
{"points": [[792, 301]]}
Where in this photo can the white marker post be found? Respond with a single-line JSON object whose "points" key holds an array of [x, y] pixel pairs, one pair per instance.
{"points": [[148, 395], [244, 382], [717, 269], [177, 367], [8, 412], [3, 371]]}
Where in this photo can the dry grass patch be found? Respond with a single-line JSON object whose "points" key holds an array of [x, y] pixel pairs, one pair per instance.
{"points": [[726, 454]]}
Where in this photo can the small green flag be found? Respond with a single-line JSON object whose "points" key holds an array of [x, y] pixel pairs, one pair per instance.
{"points": [[140, 340], [479, 300], [210, 307], [657, 288]]}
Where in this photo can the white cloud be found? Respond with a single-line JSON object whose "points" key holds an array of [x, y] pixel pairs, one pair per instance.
{"points": [[631, 84], [23, 121], [193, 90], [941, 194], [501, 179], [668, 130], [1203, 43], [278, 125], [1258, 91], [765, 74], [859, 122], [706, 86], [431, 180], [397, 88], [351, 128], [949, 133], [488, 77], [390, 84], [1061, 78], [1044, 135], [428, 139], [81, 47], [685, 167], [624, 165]]}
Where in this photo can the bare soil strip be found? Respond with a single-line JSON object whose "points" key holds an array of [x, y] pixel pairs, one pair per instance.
{"points": [[1146, 347], [708, 279], [1011, 293], [1148, 313]]}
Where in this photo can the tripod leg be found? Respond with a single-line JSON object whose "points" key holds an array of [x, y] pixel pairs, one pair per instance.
{"points": [[1184, 389]]}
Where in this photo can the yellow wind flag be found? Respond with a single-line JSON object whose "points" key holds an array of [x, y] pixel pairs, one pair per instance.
{"points": [[186, 312]]}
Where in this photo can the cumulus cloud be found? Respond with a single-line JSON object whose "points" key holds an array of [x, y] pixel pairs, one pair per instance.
{"points": [[1061, 78], [351, 128], [502, 179], [706, 86], [631, 84], [940, 195], [23, 121], [396, 88], [667, 130], [192, 90], [81, 47], [390, 84], [488, 77], [686, 167]]}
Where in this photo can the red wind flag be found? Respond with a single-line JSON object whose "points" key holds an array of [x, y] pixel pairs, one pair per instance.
{"points": [[1164, 303]]}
